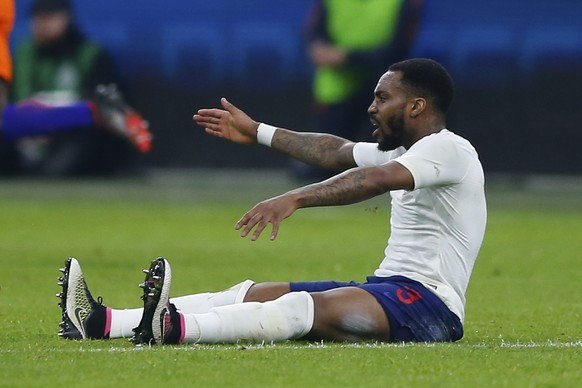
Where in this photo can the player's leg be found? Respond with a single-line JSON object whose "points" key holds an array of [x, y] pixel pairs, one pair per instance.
{"points": [[343, 314], [123, 322], [83, 317], [384, 309], [348, 314], [270, 312], [107, 110], [34, 119], [264, 292], [288, 316]]}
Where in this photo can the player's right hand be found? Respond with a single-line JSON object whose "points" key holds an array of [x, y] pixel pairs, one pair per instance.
{"points": [[271, 211], [231, 123]]}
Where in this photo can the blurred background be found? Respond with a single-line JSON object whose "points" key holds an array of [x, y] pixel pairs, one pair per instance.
{"points": [[517, 65]]}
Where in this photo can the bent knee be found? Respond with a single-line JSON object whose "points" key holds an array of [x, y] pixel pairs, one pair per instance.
{"points": [[349, 314]]}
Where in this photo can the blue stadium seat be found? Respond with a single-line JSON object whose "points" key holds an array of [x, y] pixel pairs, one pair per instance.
{"points": [[115, 38], [194, 55], [552, 47], [114, 35], [435, 42], [486, 55], [265, 54]]}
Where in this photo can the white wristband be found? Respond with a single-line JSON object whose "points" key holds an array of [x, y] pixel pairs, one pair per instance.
{"points": [[265, 133]]}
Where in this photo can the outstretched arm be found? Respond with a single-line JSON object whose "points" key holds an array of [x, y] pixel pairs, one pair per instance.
{"points": [[323, 150], [355, 185]]}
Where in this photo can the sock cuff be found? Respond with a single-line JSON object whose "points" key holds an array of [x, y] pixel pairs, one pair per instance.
{"points": [[244, 288], [182, 328], [107, 322], [310, 314]]}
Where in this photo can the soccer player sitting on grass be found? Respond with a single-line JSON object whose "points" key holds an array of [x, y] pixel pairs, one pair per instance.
{"points": [[417, 293]]}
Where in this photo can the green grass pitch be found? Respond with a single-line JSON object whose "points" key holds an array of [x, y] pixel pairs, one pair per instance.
{"points": [[524, 311]]}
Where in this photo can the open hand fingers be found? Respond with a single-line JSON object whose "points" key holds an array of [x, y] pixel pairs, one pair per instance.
{"points": [[256, 221], [210, 112], [208, 116], [211, 120], [229, 123], [260, 226]]}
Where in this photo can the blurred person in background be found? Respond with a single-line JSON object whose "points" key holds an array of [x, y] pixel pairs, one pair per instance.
{"points": [[64, 120], [8, 154], [349, 42], [6, 24]]}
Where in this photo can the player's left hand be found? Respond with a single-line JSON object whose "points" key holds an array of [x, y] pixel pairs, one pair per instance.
{"points": [[271, 211], [229, 123]]}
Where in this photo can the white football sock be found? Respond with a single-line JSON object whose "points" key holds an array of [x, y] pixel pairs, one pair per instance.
{"points": [[124, 321], [288, 317], [203, 303]]}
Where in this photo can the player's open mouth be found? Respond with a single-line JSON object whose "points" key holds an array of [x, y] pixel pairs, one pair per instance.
{"points": [[376, 125]]}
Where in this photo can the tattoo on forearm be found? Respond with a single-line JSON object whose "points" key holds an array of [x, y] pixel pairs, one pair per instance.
{"points": [[347, 188], [315, 149]]}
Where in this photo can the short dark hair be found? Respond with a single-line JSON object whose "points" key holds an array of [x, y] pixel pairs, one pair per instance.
{"points": [[428, 78]]}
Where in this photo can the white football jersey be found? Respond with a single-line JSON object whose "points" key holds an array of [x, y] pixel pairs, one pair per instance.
{"points": [[438, 227]]}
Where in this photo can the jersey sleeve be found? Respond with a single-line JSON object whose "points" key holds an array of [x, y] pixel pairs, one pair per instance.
{"points": [[368, 154], [436, 160]]}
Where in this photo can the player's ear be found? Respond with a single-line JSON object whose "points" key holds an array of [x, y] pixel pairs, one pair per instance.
{"points": [[417, 106]]}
